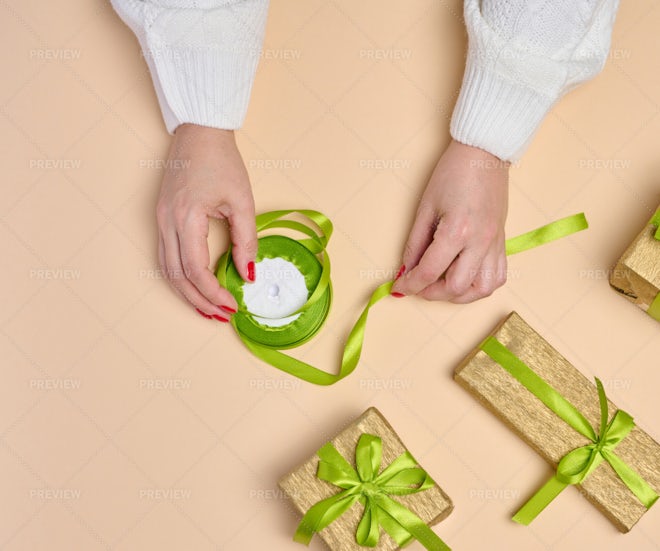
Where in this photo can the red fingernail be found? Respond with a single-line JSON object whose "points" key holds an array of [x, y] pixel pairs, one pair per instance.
{"points": [[400, 272], [228, 309], [250, 268], [215, 317], [397, 295], [204, 314]]}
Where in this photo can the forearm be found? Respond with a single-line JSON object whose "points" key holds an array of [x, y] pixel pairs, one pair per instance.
{"points": [[202, 59]]}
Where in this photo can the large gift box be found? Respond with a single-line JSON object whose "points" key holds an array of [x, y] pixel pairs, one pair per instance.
{"points": [[567, 420], [637, 273], [378, 494]]}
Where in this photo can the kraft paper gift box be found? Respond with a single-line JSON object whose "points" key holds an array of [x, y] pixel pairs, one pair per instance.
{"points": [[548, 434], [304, 489], [636, 275]]}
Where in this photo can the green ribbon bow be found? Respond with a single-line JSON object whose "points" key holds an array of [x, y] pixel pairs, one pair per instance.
{"points": [[373, 490], [577, 464], [266, 342], [654, 308]]}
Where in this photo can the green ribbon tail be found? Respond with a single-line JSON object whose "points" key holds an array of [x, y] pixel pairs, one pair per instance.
{"points": [[654, 308], [311, 374], [631, 478], [406, 523], [539, 501], [545, 234], [323, 514]]}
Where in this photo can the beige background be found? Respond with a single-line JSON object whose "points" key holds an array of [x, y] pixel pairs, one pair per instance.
{"points": [[120, 408]]}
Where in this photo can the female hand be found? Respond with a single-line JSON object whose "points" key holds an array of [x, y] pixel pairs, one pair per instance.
{"points": [[205, 177], [455, 251]]}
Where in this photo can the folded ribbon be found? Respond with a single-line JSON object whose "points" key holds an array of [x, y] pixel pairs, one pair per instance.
{"points": [[654, 308], [655, 221], [373, 490], [266, 342], [577, 464]]}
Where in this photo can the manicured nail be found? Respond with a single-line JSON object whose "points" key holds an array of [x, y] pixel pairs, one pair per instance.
{"points": [[204, 314], [397, 295], [227, 309], [250, 268], [400, 272], [215, 317]]}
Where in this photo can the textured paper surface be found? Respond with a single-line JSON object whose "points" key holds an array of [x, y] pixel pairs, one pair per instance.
{"points": [[305, 489], [549, 435], [637, 273]]}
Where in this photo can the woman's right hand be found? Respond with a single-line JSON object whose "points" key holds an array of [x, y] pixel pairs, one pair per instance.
{"points": [[205, 177]]}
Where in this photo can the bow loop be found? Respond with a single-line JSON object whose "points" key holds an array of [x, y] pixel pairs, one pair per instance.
{"points": [[577, 464], [368, 455]]}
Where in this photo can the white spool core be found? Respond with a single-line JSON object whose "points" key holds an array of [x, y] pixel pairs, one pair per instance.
{"points": [[278, 290]]}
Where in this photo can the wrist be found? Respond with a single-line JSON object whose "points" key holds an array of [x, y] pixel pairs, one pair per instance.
{"points": [[477, 157], [203, 133]]}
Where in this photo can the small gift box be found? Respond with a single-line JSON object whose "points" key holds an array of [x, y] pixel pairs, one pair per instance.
{"points": [[637, 273], [565, 418], [362, 481]]}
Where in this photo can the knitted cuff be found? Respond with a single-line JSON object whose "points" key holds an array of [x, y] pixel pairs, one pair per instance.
{"points": [[205, 86], [496, 114]]}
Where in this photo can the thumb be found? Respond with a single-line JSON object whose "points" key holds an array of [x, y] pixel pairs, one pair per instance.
{"points": [[243, 233], [421, 236]]}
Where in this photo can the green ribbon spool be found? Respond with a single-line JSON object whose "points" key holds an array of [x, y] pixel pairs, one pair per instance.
{"points": [[310, 257], [654, 308], [373, 488], [579, 463]]}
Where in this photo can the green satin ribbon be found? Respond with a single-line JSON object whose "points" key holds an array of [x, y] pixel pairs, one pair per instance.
{"points": [[372, 489], [654, 308], [311, 258], [655, 221], [577, 464]]}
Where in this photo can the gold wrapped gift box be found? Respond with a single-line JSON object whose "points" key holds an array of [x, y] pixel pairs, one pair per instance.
{"points": [[546, 432], [636, 275], [304, 489]]}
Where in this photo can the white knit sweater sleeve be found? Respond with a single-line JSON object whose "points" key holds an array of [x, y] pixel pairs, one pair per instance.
{"points": [[523, 55], [202, 55]]}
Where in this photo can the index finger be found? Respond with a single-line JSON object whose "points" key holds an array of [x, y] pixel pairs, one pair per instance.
{"points": [[437, 257]]}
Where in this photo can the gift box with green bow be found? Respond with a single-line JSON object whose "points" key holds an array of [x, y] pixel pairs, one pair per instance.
{"points": [[637, 273], [560, 413], [363, 489]]}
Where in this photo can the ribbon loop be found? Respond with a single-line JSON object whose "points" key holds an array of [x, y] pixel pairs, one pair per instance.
{"points": [[365, 484]]}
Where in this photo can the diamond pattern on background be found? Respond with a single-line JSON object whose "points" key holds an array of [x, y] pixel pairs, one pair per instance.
{"points": [[163, 400], [110, 370], [165, 527], [68, 440], [16, 486], [39, 223], [164, 429], [39, 323], [127, 496], [41, 101], [55, 528]]}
